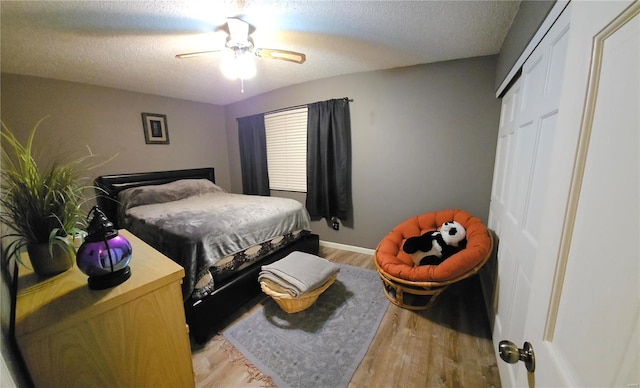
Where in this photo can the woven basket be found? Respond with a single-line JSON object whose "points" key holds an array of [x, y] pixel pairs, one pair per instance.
{"points": [[291, 304]]}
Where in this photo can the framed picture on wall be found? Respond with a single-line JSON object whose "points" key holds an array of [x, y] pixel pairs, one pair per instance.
{"points": [[155, 128]]}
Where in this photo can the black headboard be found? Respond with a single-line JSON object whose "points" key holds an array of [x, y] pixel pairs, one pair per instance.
{"points": [[108, 186]]}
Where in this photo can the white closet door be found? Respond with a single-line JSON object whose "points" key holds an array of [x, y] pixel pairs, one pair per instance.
{"points": [[566, 203], [526, 134], [583, 318]]}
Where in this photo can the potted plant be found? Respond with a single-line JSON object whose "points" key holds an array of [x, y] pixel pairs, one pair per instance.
{"points": [[41, 204]]}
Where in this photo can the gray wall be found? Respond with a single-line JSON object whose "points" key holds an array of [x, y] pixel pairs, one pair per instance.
{"points": [[109, 122], [423, 138], [530, 16]]}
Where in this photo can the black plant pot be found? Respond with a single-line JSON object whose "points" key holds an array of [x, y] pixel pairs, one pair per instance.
{"points": [[46, 264]]}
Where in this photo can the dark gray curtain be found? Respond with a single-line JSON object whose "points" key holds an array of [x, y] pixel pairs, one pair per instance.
{"points": [[253, 155], [329, 160]]}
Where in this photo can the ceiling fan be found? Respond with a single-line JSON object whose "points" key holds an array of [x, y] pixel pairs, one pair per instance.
{"points": [[241, 46]]}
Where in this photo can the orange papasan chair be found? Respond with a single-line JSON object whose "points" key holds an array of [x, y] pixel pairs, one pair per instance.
{"points": [[417, 287]]}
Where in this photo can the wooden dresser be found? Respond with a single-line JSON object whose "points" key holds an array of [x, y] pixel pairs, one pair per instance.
{"points": [[132, 335]]}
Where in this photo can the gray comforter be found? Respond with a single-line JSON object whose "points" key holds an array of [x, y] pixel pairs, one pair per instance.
{"points": [[199, 230]]}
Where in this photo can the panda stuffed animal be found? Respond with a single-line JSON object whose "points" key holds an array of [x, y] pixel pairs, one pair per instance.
{"points": [[433, 247], [455, 238], [427, 247]]}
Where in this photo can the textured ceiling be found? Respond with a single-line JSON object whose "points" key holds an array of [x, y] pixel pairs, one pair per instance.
{"points": [[132, 45]]}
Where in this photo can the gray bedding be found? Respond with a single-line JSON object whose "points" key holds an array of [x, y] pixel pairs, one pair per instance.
{"points": [[198, 224]]}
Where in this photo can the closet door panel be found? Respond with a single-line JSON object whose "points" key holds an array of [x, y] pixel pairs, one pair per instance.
{"points": [[520, 184]]}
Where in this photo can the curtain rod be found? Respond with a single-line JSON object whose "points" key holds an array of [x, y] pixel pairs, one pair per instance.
{"points": [[298, 106]]}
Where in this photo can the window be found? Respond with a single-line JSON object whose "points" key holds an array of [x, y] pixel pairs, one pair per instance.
{"points": [[286, 134]]}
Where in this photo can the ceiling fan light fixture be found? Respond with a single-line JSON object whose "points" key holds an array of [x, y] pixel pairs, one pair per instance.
{"points": [[240, 64], [238, 32], [238, 61]]}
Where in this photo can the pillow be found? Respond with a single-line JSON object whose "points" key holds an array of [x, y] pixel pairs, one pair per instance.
{"points": [[146, 195]]}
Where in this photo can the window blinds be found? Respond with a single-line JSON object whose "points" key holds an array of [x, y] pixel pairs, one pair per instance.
{"points": [[286, 134]]}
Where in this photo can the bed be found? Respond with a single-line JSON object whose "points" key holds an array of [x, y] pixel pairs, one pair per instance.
{"points": [[220, 239]]}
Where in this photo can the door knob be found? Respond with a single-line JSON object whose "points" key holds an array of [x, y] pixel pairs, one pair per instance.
{"points": [[510, 353]]}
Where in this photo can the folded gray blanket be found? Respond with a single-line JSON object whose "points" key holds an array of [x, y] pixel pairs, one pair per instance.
{"points": [[299, 272]]}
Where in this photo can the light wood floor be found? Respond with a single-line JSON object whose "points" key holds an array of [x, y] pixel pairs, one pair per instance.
{"points": [[448, 345]]}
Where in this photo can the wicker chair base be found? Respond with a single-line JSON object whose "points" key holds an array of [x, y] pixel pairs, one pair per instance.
{"points": [[411, 297]]}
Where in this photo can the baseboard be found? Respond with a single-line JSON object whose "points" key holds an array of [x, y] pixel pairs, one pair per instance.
{"points": [[345, 247]]}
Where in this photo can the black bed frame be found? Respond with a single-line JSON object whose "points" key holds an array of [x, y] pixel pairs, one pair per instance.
{"points": [[206, 315]]}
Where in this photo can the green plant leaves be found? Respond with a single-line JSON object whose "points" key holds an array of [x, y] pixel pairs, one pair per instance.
{"points": [[41, 204]]}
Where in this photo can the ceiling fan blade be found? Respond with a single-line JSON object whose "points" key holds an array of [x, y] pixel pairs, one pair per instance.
{"points": [[284, 55], [197, 54]]}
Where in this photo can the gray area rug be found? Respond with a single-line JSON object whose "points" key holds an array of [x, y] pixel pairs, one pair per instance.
{"points": [[321, 346]]}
